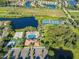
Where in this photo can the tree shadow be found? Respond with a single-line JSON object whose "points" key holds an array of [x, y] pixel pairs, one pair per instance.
{"points": [[27, 57], [60, 54], [37, 57], [20, 57]]}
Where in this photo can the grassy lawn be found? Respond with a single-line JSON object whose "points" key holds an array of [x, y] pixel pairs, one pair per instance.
{"points": [[75, 30], [20, 30], [23, 12], [74, 14]]}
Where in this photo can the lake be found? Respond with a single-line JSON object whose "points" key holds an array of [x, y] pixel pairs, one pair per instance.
{"points": [[18, 23]]}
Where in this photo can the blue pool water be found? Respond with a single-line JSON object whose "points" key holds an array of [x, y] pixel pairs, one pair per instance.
{"points": [[54, 22], [18, 23], [28, 4], [31, 36], [51, 6]]}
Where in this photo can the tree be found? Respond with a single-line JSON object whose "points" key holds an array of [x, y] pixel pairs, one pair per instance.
{"points": [[51, 53], [59, 36], [2, 2]]}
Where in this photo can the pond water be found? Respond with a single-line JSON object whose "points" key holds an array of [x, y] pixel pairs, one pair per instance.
{"points": [[18, 23]]}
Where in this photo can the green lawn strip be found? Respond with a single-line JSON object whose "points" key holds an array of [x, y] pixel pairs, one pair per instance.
{"points": [[20, 30], [30, 12], [74, 13], [76, 31]]}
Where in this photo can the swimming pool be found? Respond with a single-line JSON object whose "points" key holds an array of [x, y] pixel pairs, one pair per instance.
{"points": [[31, 36], [72, 2], [51, 6], [53, 22], [28, 4]]}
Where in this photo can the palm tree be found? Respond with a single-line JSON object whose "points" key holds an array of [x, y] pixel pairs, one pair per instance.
{"points": [[50, 52]]}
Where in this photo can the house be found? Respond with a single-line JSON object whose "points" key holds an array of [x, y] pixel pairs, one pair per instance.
{"points": [[1, 23], [4, 29], [28, 42], [7, 23], [21, 2], [18, 35], [45, 3], [35, 42], [40, 52], [27, 53]]}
